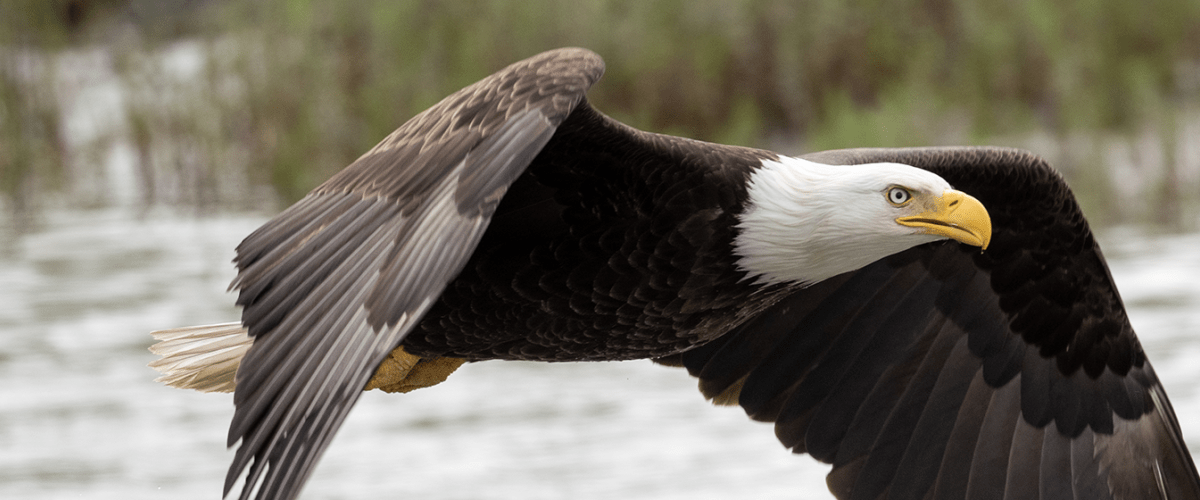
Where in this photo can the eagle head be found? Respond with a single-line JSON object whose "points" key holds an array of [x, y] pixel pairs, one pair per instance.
{"points": [[805, 221]]}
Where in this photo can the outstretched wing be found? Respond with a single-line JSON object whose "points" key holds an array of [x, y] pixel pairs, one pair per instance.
{"points": [[334, 283], [943, 372]]}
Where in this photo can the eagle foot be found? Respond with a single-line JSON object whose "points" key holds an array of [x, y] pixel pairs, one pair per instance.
{"points": [[404, 372]]}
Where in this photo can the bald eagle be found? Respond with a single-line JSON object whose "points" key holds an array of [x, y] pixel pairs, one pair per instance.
{"points": [[864, 301]]}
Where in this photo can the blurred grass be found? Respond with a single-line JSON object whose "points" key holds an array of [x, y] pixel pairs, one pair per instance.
{"points": [[288, 92]]}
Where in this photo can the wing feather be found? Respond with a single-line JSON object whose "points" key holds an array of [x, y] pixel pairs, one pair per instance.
{"points": [[1024, 462], [954, 475], [941, 372], [334, 283], [1056, 464], [989, 461]]}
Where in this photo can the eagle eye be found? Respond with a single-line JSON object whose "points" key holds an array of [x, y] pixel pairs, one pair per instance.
{"points": [[898, 196]]}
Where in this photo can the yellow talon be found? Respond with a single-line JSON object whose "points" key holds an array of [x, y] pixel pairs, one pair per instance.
{"points": [[404, 372]]}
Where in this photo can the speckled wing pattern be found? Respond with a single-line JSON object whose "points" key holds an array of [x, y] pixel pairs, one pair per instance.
{"points": [[331, 285], [944, 372]]}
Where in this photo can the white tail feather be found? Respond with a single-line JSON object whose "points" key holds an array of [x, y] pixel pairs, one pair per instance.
{"points": [[204, 358]]}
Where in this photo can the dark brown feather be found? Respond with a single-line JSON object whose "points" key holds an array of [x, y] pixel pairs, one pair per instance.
{"points": [[629, 255], [1011, 373]]}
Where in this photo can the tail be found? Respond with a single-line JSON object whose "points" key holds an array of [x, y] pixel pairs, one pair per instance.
{"points": [[204, 358]]}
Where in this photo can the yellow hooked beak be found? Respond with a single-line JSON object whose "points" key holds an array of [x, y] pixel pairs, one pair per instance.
{"points": [[955, 215]]}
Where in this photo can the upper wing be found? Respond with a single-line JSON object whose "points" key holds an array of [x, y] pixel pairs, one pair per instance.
{"points": [[333, 283], [943, 372]]}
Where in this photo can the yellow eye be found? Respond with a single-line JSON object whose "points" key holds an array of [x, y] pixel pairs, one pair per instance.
{"points": [[898, 196]]}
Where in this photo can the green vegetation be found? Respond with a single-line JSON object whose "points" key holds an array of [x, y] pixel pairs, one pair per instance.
{"points": [[290, 91]]}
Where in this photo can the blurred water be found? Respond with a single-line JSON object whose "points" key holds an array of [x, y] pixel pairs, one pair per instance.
{"points": [[81, 417]]}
